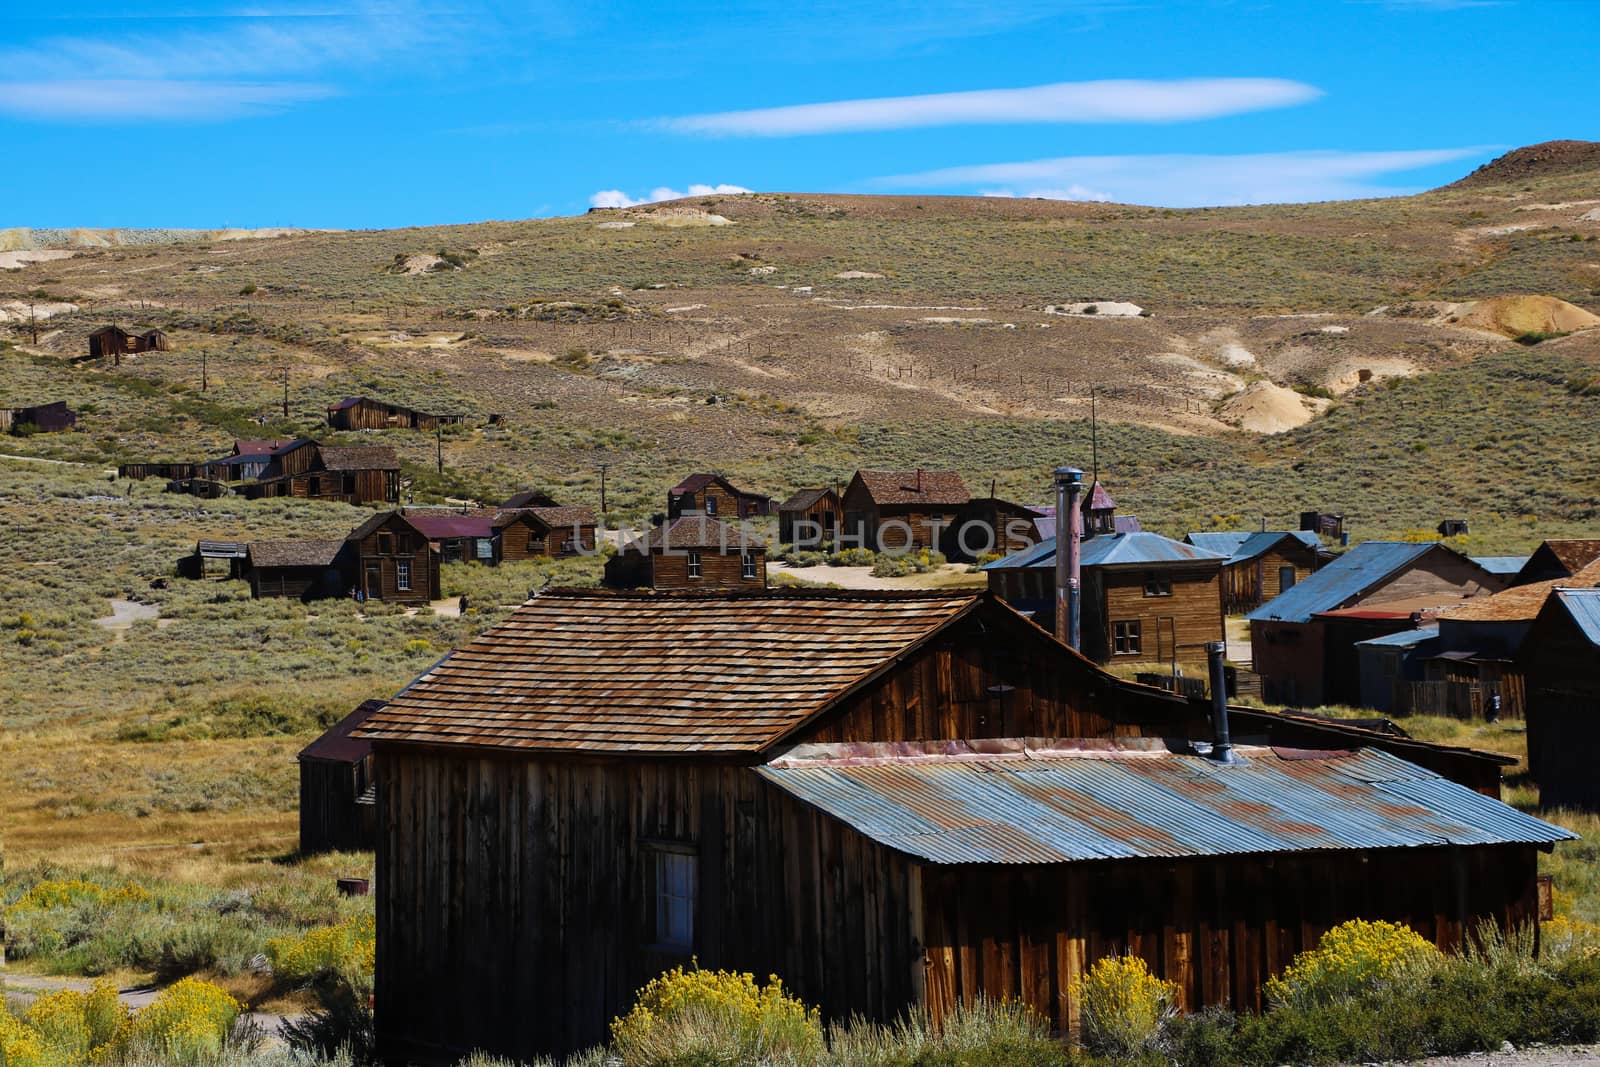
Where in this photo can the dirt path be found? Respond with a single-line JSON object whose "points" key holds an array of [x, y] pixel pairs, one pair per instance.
{"points": [[946, 577], [124, 613], [1575, 1056]]}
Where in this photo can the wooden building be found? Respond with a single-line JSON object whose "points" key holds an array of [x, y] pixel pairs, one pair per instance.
{"points": [[536, 532], [338, 794], [460, 535], [1304, 662], [355, 474], [833, 787], [138, 472], [988, 527], [690, 552], [810, 518], [389, 558], [1561, 662], [529, 498], [715, 496], [216, 559], [1145, 597], [1260, 565], [891, 511], [115, 342], [1558, 559], [364, 413], [309, 570], [54, 417], [1323, 523]]}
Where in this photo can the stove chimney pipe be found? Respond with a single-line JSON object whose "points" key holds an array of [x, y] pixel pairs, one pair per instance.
{"points": [[1222, 744], [1069, 540]]}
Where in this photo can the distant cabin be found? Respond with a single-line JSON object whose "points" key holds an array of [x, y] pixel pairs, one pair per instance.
{"points": [[385, 558], [460, 536], [529, 498], [715, 496], [355, 474], [691, 552], [364, 413], [114, 342], [544, 531], [54, 417], [338, 792], [902, 510], [989, 526], [817, 507], [1261, 564]]}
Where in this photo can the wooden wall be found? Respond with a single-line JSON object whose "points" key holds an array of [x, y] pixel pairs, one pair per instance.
{"points": [[1562, 673], [306, 583], [825, 513], [1191, 616], [527, 538], [730, 506], [1217, 927], [407, 544], [1439, 571], [1248, 585], [718, 570], [330, 818], [1288, 656], [514, 898], [351, 487]]}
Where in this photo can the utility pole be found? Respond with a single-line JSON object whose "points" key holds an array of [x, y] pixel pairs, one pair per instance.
{"points": [[33, 323], [286, 390], [603, 468], [438, 445], [204, 384]]}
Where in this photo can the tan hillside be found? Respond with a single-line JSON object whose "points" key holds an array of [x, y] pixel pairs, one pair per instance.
{"points": [[1536, 160], [1517, 316]]}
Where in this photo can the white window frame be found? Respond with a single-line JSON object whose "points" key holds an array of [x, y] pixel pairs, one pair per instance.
{"points": [[676, 897], [747, 566], [402, 575], [695, 570]]}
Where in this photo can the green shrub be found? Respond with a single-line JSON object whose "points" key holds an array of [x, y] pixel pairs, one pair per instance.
{"points": [[1123, 1006], [689, 1016]]}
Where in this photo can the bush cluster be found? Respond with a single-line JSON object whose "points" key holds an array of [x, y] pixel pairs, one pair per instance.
{"points": [[719, 1017], [190, 1022]]}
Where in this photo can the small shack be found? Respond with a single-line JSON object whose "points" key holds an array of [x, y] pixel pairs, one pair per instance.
{"points": [[338, 793], [389, 558], [690, 552], [893, 801], [891, 511], [553, 532], [809, 518], [1561, 661], [54, 417], [216, 559], [714, 495], [1327, 524], [1260, 564], [364, 413], [989, 526], [308, 570], [115, 342], [355, 474]]}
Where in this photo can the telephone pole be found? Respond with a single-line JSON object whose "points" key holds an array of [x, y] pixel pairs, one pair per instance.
{"points": [[286, 390], [33, 323], [603, 468], [438, 445], [204, 384]]}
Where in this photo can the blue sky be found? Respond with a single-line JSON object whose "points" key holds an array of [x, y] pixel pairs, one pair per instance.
{"points": [[401, 112]]}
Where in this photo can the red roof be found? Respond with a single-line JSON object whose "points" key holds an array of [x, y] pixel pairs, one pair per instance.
{"points": [[915, 487], [437, 527], [337, 745]]}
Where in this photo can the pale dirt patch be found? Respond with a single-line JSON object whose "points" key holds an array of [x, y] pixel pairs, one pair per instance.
{"points": [[1515, 315], [615, 224], [1267, 408], [852, 275], [420, 263], [1590, 216], [682, 216], [525, 356], [19, 259], [762, 271], [950, 576], [1108, 309], [1200, 376], [18, 310], [1349, 373]]}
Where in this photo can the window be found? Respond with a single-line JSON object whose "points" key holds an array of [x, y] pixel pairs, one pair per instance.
{"points": [[694, 564], [402, 574], [711, 504], [347, 485], [385, 543], [1157, 584], [1286, 579], [676, 890], [535, 544], [314, 486], [1126, 639], [749, 561]]}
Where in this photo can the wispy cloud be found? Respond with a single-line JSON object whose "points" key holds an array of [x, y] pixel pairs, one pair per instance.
{"points": [[618, 198], [1189, 180], [1063, 102], [260, 61]]}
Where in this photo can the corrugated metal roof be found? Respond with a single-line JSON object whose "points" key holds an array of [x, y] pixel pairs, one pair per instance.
{"points": [[1109, 550], [1044, 801], [1403, 639], [1241, 545], [1584, 607], [1341, 581], [1501, 564]]}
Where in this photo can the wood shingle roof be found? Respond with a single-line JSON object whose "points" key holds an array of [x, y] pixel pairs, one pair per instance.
{"points": [[914, 487]]}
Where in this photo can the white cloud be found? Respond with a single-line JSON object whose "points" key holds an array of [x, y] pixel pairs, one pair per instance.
{"points": [[261, 63], [618, 198], [1189, 180], [154, 99], [1065, 102]]}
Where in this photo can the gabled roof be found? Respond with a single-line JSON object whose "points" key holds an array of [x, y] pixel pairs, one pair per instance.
{"points": [[256, 448], [320, 553], [382, 518], [1097, 499], [1241, 546], [337, 745], [358, 457], [694, 531], [437, 526], [696, 482], [1559, 558], [1584, 607], [649, 673], [1520, 603], [554, 518], [1040, 801], [1502, 565], [347, 402], [1111, 550], [802, 499], [529, 498], [1359, 570], [914, 487]]}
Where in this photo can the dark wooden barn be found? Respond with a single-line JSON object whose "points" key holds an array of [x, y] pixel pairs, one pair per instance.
{"points": [[389, 558], [989, 527], [54, 417], [891, 511], [338, 795], [715, 496], [364, 413], [690, 552], [859, 792], [533, 532], [309, 570], [1561, 661], [809, 518], [114, 342], [355, 474]]}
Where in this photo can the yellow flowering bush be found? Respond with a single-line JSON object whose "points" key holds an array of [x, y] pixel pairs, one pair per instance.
{"points": [[1122, 1005], [348, 947], [723, 1015], [79, 1027], [21, 1045], [70, 893], [187, 1023], [1353, 959], [1564, 934]]}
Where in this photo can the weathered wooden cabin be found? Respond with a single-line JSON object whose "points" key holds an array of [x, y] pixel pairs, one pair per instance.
{"points": [[355, 474], [309, 570], [389, 558], [892, 511], [115, 342], [714, 495], [1561, 661], [338, 794], [690, 552], [365, 413], [1323, 523], [461, 536], [1260, 565], [1559, 558], [1145, 597], [138, 472], [1302, 664], [887, 799], [532, 532], [989, 526], [54, 417], [529, 498], [809, 518], [216, 559]]}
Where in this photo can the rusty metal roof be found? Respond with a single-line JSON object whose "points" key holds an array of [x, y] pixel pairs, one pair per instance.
{"points": [[716, 672], [337, 745], [1521, 603], [1041, 801]]}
